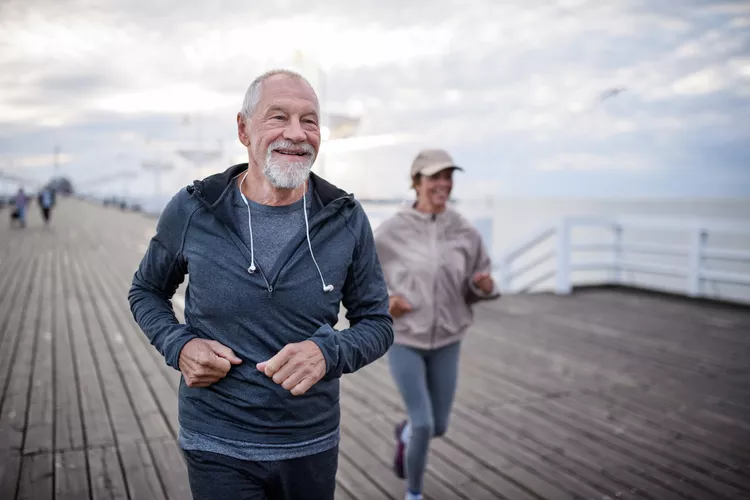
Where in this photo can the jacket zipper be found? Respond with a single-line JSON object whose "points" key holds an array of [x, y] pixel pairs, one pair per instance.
{"points": [[315, 223], [433, 228]]}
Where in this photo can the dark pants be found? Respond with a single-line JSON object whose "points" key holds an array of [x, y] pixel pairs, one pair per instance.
{"points": [[219, 477]]}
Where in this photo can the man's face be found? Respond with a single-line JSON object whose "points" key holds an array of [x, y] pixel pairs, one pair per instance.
{"points": [[283, 134]]}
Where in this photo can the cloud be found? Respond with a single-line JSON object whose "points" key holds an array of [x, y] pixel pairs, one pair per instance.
{"points": [[34, 161], [512, 88]]}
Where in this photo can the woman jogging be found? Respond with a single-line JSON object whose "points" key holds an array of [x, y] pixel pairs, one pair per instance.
{"points": [[436, 268]]}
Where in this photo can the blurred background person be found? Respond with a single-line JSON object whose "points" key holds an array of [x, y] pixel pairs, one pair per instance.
{"points": [[436, 268], [20, 203], [46, 200]]}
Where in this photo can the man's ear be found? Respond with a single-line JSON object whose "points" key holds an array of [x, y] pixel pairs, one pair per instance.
{"points": [[242, 132]]}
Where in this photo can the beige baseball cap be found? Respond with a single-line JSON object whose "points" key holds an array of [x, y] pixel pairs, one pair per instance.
{"points": [[432, 161]]}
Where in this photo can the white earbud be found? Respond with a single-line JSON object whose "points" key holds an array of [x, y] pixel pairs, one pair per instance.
{"points": [[328, 288], [251, 269]]}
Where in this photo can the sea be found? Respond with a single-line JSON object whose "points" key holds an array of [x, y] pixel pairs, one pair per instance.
{"points": [[505, 223]]}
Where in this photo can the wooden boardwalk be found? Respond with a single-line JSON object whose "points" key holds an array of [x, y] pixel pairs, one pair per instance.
{"points": [[601, 395]]}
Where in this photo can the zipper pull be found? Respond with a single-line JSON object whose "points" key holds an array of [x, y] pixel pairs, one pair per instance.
{"points": [[270, 291]]}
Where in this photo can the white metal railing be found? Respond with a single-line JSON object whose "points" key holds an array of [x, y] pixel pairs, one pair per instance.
{"points": [[693, 274]]}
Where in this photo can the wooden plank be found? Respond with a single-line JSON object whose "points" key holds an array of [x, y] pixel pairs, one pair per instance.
{"points": [[119, 409], [697, 453], [535, 430], [590, 459], [342, 493], [695, 344], [11, 270], [492, 453], [12, 308], [38, 436], [369, 464], [37, 477], [98, 430], [105, 471], [10, 468], [674, 422], [141, 475], [141, 357], [150, 420], [171, 467], [558, 396], [692, 485], [68, 419], [370, 434], [71, 477], [18, 384], [355, 481]]}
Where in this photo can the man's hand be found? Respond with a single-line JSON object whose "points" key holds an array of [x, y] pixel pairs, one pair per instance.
{"points": [[204, 362], [398, 306], [484, 282], [296, 367]]}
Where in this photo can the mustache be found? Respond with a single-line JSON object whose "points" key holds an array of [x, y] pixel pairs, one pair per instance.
{"points": [[291, 146]]}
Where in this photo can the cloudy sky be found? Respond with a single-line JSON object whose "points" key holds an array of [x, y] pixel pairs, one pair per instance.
{"points": [[519, 91]]}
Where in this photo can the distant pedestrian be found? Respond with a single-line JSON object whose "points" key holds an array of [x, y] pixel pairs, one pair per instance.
{"points": [[46, 202], [436, 268], [19, 211]]}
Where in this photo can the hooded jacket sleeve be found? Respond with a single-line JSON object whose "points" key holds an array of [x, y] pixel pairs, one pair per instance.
{"points": [[482, 264], [161, 271], [365, 298]]}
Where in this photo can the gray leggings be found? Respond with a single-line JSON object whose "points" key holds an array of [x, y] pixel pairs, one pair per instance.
{"points": [[427, 382]]}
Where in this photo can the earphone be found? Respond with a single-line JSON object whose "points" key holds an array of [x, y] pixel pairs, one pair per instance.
{"points": [[326, 287]]}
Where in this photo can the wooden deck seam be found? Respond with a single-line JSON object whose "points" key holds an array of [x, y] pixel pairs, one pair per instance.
{"points": [[62, 263], [127, 391], [97, 368], [25, 464]]}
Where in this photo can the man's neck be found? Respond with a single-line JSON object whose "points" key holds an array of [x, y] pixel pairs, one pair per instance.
{"points": [[257, 188]]}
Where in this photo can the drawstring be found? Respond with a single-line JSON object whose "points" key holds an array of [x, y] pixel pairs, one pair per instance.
{"points": [[326, 288], [251, 269]]}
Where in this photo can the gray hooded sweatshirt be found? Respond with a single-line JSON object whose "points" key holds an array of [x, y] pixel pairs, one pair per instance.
{"points": [[257, 314]]}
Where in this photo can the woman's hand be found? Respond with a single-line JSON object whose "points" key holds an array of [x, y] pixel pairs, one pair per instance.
{"points": [[484, 282], [398, 306]]}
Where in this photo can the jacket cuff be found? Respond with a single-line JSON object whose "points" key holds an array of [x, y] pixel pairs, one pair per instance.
{"points": [[173, 350], [326, 339]]}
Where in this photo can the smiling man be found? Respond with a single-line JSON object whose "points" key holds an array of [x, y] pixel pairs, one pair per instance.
{"points": [[272, 251]]}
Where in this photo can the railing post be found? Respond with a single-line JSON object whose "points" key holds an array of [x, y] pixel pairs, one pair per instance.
{"points": [[697, 242], [562, 269], [503, 269], [617, 271]]}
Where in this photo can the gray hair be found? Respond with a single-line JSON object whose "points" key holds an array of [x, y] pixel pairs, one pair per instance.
{"points": [[252, 96]]}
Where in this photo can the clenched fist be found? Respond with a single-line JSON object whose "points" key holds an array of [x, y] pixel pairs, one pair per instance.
{"points": [[398, 306], [296, 367], [484, 282], [204, 362]]}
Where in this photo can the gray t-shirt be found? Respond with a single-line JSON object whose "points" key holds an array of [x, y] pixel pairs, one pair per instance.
{"points": [[273, 226]]}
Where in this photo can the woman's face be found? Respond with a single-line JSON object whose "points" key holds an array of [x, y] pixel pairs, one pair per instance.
{"points": [[435, 190]]}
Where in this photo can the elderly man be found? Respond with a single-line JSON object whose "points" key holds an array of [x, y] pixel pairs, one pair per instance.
{"points": [[272, 251]]}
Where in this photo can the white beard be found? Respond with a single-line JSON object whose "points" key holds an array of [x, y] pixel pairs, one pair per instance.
{"points": [[288, 174]]}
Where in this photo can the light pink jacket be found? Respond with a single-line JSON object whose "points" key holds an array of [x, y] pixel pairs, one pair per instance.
{"points": [[430, 260]]}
